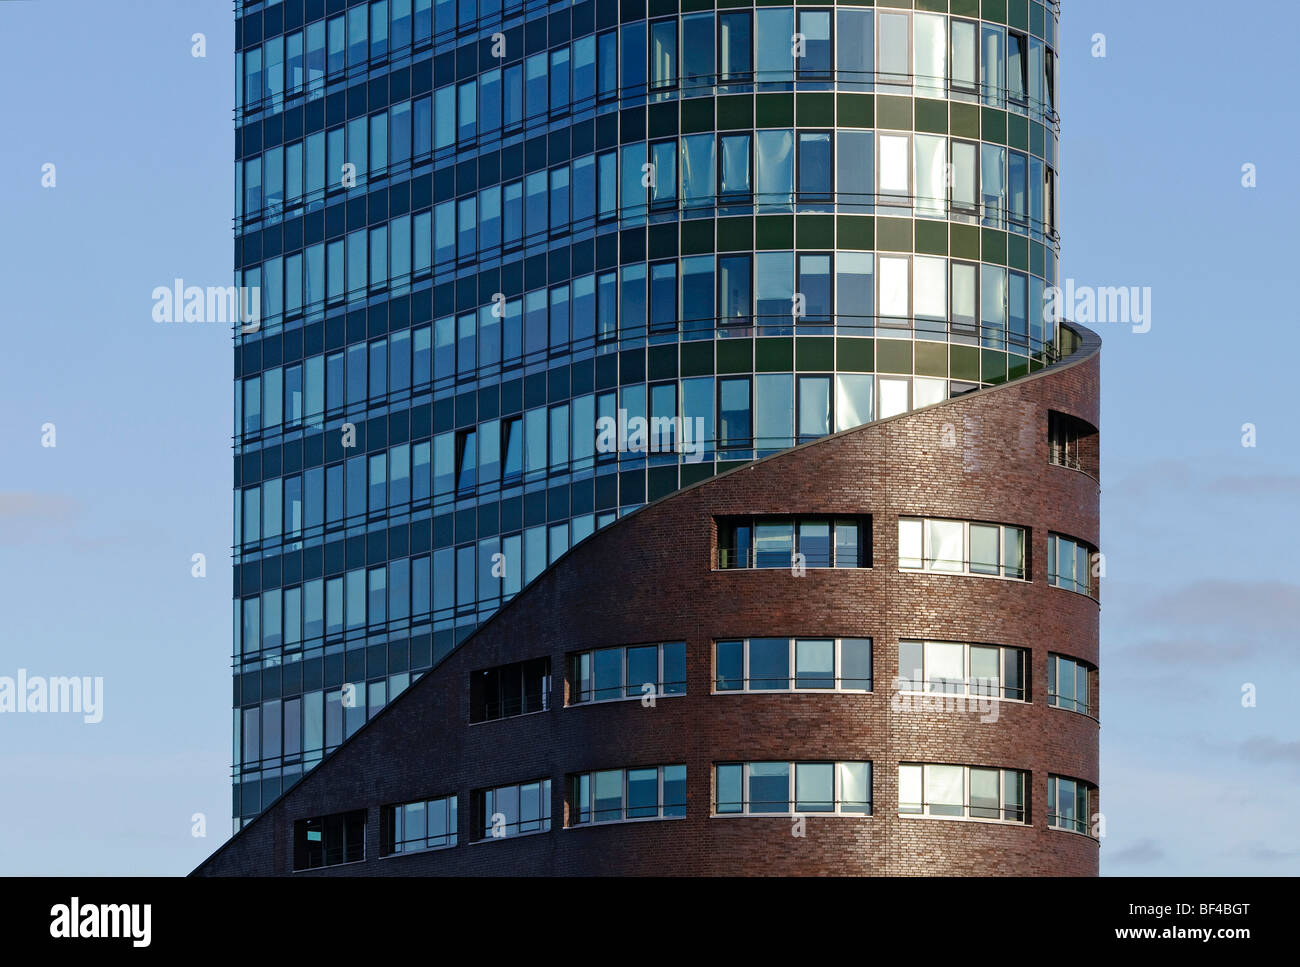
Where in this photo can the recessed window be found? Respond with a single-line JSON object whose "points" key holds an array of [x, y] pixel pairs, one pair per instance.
{"points": [[955, 668], [792, 542], [1068, 438], [792, 664], [329, 840], [1069, 565], [1068, 684], [514, 689], [415, 826], [791, 788], [1067, 804], [506, 811], [962, 547], [619, 795], [962, 792], [632, 671]]}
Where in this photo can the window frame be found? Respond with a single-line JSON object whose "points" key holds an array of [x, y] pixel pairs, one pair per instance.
{"points": [[574, 692], [969, 687], [966, 570], [574, 809], [792, 659], [792, 790], [1023, 776]]}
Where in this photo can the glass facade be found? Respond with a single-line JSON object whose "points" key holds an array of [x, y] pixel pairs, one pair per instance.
{"points": [[486, 233]]}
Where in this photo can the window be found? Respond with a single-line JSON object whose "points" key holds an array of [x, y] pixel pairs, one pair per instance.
{"points": [[1017, 67], [663, 53], [965, 177], [1067, 684], [415, 826], [514, 689], [466, 459], [815, 60], [992, 67], [1066, 437], [792, 664], [735, 48], [512, 810], [1067, 804], [1069, 565], [930, 54], [734, 411], [329, 840], [965, 57], [792, 788], [854, 62], [815, 176], [955, 668], [610, 674], [619, 795], [962, 792], [960, 547], [788, 542], [893, 47]]}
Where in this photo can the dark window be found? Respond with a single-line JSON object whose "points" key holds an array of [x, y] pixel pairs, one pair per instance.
{"points": [[515, 689], [1068, 438], [466, 459], [784, 542], [329, 840]]}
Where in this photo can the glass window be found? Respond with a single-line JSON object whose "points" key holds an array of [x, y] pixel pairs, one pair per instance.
{"points": [[965, 56], [734, 46], [894, 72], [699, 168], [814, 166], [735, 165], [815, 28], [855, 182], [663, 53], [854, 61], [774, 169], [814, 663], [774, 57], [992, 67], [697, 53], [930, 48], [769, 787], [769, 662]]}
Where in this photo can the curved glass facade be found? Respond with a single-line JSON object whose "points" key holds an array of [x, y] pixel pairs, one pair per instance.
{"points": [[484, 234]]}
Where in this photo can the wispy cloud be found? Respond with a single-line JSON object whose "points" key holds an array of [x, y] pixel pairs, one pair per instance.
{"points": [[1142, 852], [28, 517], [1265, 749]]}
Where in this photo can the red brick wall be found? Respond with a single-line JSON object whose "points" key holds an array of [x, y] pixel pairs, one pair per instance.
{"points": [[649, 578]]}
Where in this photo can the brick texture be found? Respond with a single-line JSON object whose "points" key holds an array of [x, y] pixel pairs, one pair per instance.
{"points": [[650, 577]]}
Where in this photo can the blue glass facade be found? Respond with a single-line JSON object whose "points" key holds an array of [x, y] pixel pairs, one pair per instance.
{"points": [[479, 229]]}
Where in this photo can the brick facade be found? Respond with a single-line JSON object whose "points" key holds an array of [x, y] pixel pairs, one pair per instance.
{"points": [[650, 577]]}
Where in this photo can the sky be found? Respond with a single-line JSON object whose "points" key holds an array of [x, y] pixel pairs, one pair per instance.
{"points": [[1200, 748]]}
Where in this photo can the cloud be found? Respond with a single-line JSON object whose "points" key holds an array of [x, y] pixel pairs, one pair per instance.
{"points": [[1267, 607], [1264, 853], [28, 517], [1268, 750], [1286, 484], [1199, 651], [1141, 852]]}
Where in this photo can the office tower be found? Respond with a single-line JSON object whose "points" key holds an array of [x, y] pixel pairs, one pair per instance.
{"points": [[527, 270]]}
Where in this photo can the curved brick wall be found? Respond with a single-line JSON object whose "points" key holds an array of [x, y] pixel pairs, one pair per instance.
{"points": [[650, 577]]}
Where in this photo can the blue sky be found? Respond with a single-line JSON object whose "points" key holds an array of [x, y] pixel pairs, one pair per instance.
{"points": [[97, 533]]}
